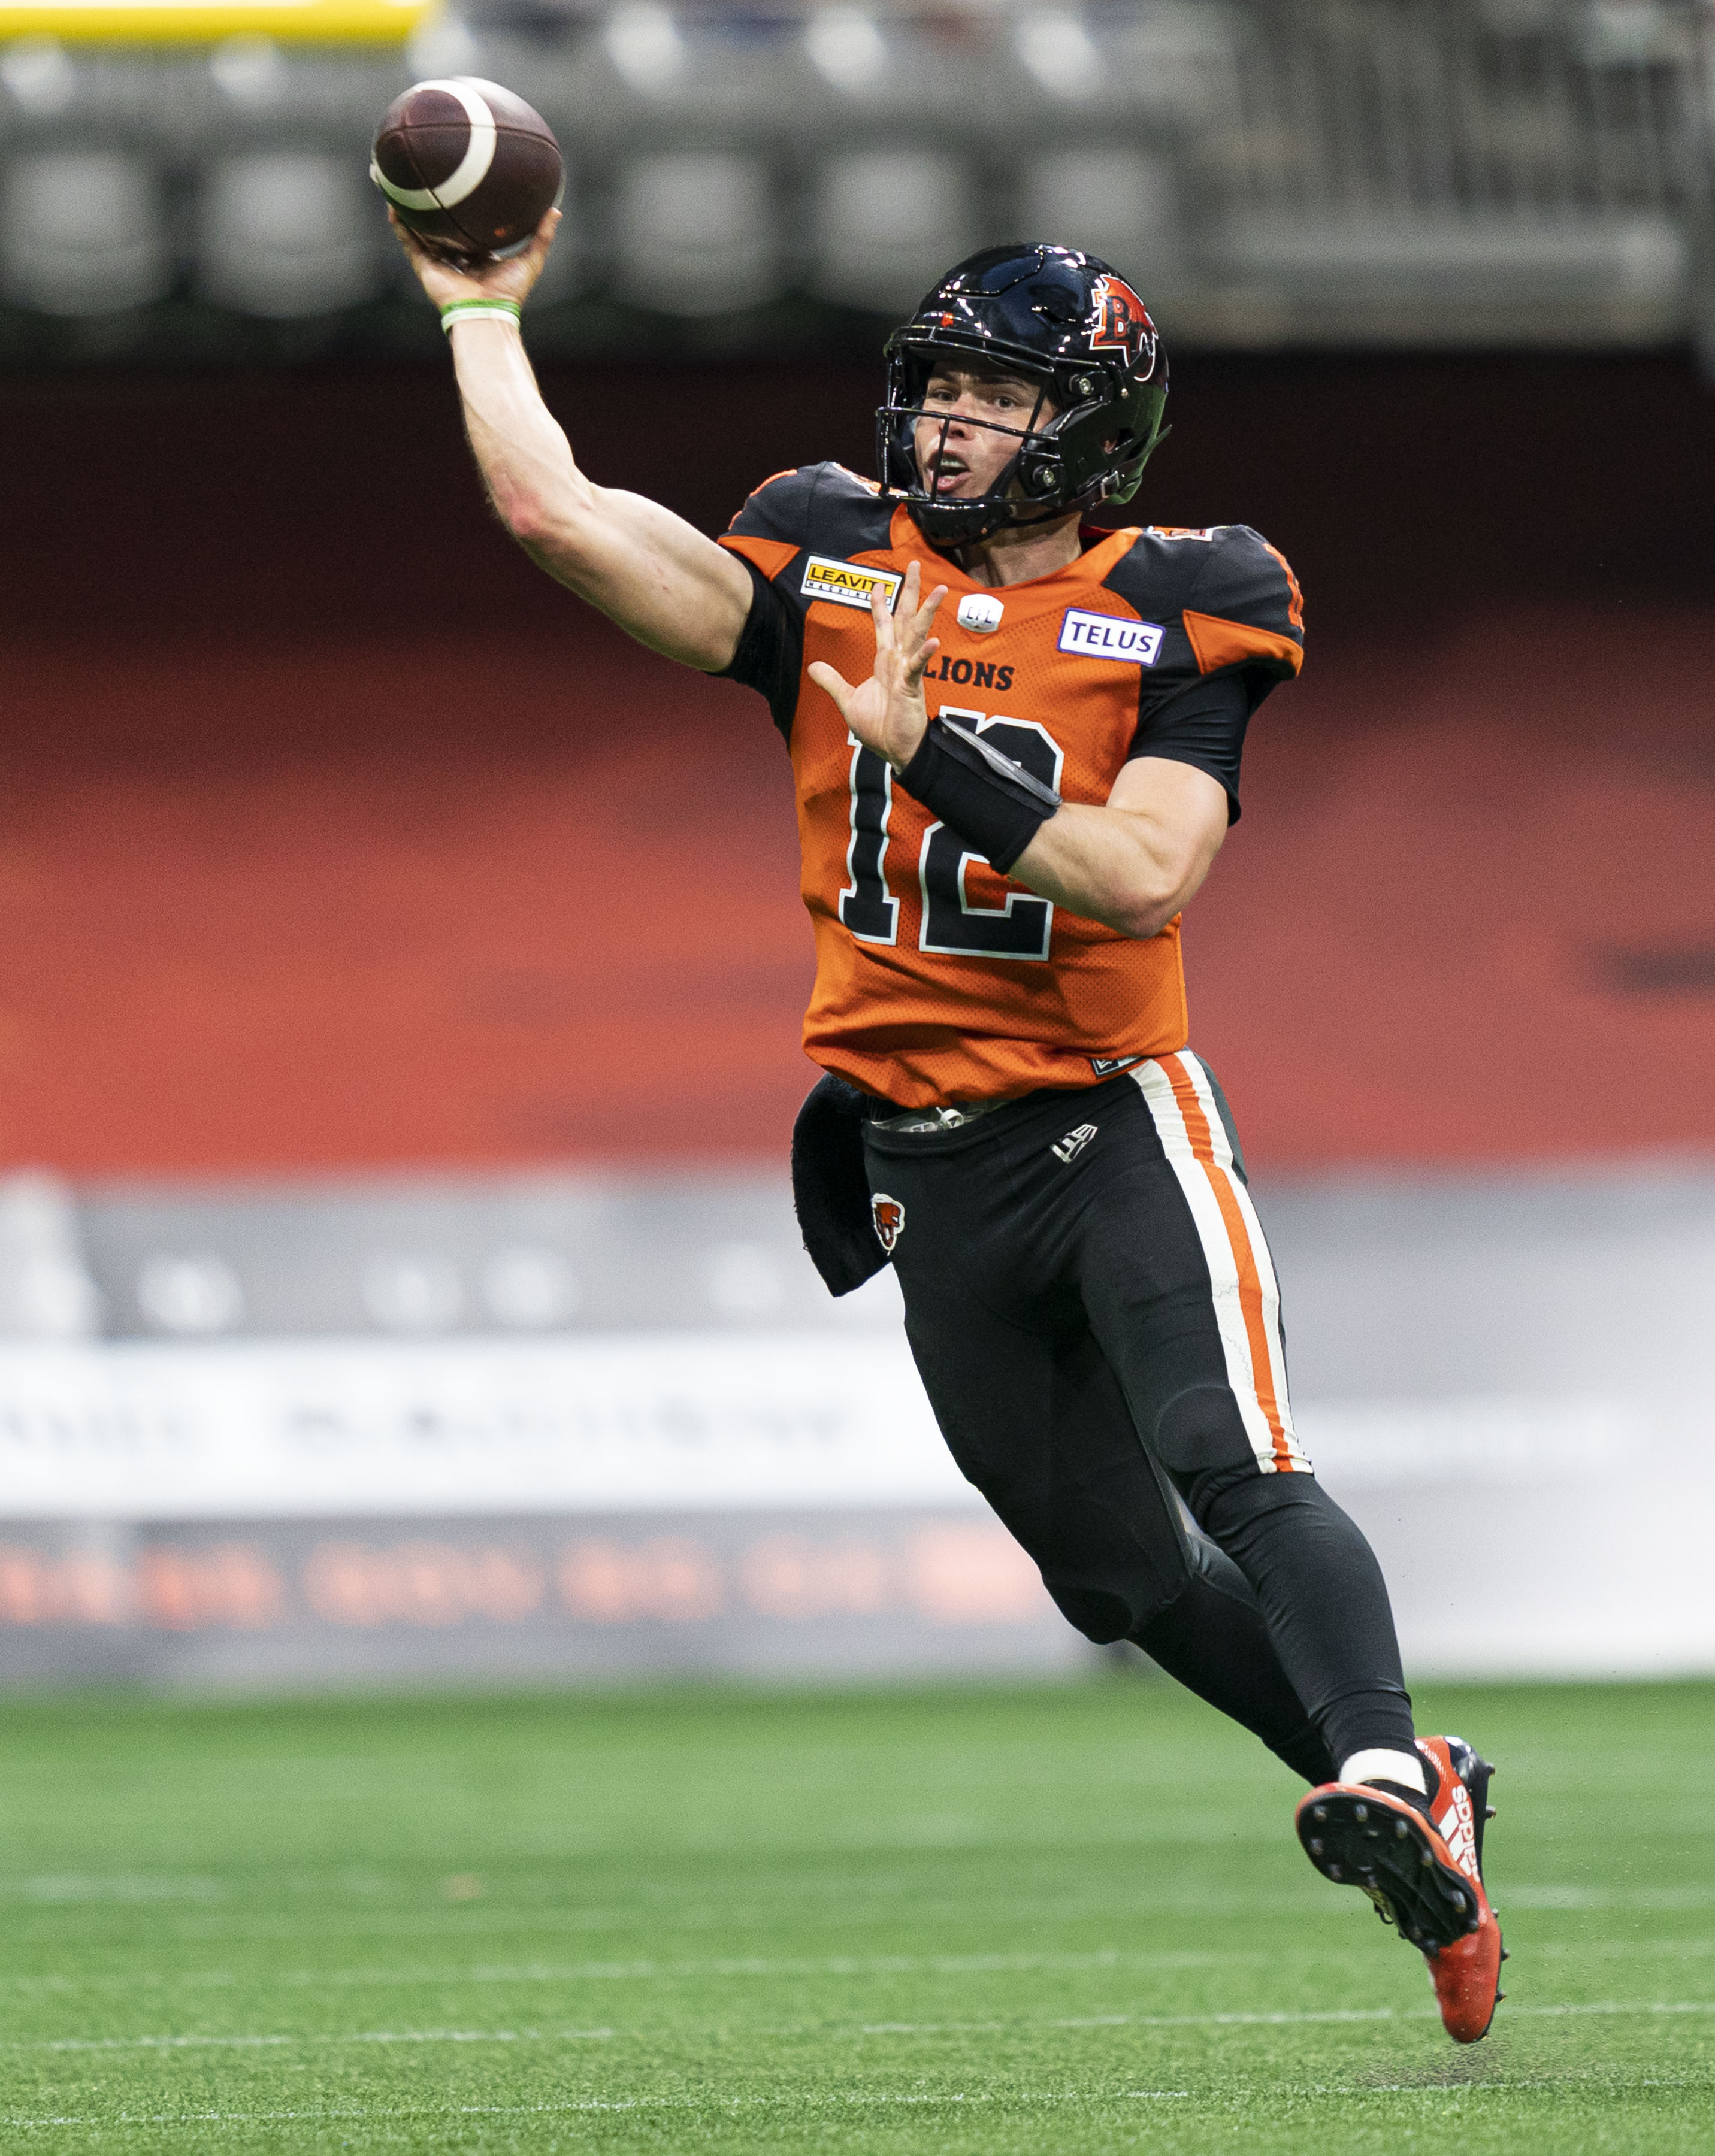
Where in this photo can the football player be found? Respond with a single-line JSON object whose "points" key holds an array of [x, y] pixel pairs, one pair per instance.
{"points": [[1015, 737]]}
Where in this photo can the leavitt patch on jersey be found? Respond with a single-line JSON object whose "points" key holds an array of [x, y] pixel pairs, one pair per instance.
{"points": [[846, 584], [889, 1217], [1106, 636]]}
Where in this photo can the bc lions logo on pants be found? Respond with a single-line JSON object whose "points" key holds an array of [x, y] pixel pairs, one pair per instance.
{"points": [[889, 1217]]}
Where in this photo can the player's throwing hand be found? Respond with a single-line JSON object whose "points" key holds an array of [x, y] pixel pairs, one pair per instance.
{"points": [[886, 712], [445, 282]]}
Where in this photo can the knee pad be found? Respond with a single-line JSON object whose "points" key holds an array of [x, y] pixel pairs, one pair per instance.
{"points": [[1230, 1504], [1122, 1570], [1200, 1430], [1103, 1615], [1237, 1494]]}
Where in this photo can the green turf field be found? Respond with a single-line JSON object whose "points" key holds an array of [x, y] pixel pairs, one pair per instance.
{"points": [[1059, 1919]]}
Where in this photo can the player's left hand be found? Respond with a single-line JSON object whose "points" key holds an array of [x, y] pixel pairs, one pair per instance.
{"points": [[887, 712]]}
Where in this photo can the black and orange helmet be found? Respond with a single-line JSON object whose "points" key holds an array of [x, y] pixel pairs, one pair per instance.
{"points": [[1067, 321]]}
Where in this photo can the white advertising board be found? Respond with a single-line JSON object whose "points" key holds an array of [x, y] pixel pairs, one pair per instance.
{"points": [[256, 1429], [1519, 1533]]}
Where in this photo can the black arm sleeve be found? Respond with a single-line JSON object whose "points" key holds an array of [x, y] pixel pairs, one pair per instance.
{"points": [[1204, 724], [770, 654]]}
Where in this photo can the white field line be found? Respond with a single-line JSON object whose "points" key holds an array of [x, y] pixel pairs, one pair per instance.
{"points": [[1623, 1950], [1333, 2016], [496, 1918], [838, 1965], [815, 2100], [1541, 1897], [476, 1919], [285, 2042], [611, 1972], [824, 2100]]}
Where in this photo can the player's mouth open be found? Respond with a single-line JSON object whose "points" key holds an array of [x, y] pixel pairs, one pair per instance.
{"points": [[948, 471]]}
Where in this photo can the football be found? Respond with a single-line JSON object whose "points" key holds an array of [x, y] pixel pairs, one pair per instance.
{"points": [[471, 168]]}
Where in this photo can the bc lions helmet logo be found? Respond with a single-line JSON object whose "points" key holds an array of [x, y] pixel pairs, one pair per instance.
{"points": [[1123, 322], [889, 1217]]}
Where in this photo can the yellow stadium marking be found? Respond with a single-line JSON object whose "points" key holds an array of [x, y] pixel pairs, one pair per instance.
{"points": [[210, 22]]}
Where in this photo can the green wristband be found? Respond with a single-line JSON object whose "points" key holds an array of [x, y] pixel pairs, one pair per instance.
{"points": [[467, 310]]}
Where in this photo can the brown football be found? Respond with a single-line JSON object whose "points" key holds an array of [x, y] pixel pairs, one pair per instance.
{"points": [[469, 168]]}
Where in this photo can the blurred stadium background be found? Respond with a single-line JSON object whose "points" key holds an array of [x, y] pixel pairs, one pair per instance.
{"points": [[399, 1005]]}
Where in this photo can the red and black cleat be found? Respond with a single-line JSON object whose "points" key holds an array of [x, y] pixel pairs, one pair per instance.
{"points": [[1424, 1874]]}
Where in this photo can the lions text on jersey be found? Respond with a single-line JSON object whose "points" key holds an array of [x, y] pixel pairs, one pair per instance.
{"points": [[936, 978]]}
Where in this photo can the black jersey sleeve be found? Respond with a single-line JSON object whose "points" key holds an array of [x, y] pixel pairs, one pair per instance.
{"points": [[1204, 725], [1233, 630], [770, 654], [766, 535], [817, 509]]}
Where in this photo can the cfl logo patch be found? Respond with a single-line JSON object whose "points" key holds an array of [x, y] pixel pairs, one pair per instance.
{"points": [[1073, 1143], [888, 1215]]}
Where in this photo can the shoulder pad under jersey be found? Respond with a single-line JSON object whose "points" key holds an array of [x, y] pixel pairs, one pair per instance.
{"points": [[822, 508], [1233, 596], [1244, 606]]}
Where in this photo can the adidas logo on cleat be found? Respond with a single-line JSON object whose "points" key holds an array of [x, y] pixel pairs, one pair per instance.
{"points": [[1457, 1828], [1422, 1866]]}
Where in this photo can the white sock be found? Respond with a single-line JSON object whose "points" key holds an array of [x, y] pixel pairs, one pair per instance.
{"points": [[1404, 1769]]}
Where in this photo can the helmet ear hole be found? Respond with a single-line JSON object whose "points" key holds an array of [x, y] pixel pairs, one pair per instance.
{"points": [[1127, 484]]}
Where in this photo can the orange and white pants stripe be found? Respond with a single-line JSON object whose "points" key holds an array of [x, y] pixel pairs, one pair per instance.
{"points": [[1247, 1296]]}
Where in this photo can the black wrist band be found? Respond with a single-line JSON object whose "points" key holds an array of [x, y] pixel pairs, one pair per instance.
{"points": [[994, 804]]}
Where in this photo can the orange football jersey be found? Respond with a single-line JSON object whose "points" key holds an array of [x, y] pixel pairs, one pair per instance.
{"points": [[938, 979]]}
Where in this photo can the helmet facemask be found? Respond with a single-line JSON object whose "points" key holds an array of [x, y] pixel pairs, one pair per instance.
{"points": [[1052, 318], [1022, 492]]}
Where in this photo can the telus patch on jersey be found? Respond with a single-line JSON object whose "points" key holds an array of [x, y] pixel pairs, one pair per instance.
{"points": [[1106, 636], [846, 584]]}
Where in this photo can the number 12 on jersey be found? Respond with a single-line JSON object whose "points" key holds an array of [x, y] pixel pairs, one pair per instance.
{"points": [[952, 926]]}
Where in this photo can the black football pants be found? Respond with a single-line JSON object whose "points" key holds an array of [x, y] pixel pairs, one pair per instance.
{"points": [[1092, 1309]]}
